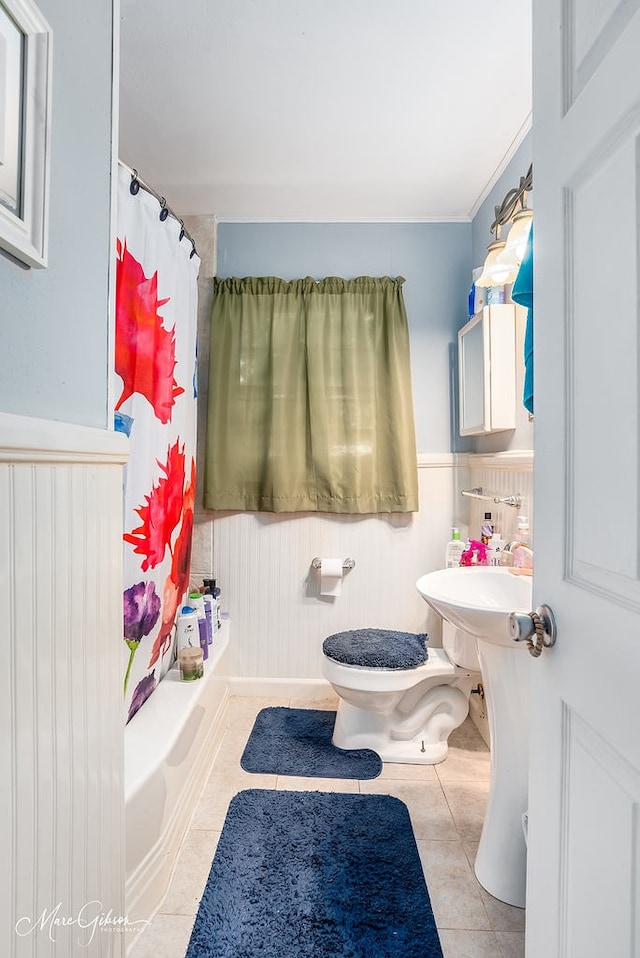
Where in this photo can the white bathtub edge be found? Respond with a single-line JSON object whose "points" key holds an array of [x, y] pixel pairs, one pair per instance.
{"points": [[147, 883]]}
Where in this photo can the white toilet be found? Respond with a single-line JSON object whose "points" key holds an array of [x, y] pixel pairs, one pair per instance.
{"points": [[406, 715]]}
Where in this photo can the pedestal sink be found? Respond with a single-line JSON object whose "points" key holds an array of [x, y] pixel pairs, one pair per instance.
{"points": [[479, 600]]}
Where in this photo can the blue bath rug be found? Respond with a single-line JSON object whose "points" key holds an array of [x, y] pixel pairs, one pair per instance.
{"points": [[315, 875], [377, 648], [287, 741]]}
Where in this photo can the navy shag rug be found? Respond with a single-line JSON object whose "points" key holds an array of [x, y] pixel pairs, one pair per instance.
{"points": [[315, 875], [287, 741], [377, 648]]}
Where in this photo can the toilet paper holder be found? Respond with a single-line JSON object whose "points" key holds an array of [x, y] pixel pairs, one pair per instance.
{"points": [[346, 563]]}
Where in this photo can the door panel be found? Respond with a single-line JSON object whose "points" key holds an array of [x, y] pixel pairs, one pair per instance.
{"points": [[602, 369], [597, 781], [584, 787]]}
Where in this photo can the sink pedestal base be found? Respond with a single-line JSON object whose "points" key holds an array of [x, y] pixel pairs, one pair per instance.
{"points": [[501, 861]]}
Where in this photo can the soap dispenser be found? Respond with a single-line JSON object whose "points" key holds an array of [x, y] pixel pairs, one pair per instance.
{"points": [[523, 553]]}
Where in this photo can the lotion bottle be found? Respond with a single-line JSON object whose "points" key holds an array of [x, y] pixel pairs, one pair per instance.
{"points": [[454, 550]]}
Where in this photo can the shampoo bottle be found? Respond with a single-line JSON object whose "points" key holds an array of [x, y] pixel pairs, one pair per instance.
{"points": [[454, 550], [188, 633], [210, 614], [197, 601], [211, 589]]}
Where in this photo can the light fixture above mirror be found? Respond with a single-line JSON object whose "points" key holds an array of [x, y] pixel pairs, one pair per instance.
{"points": [[504, 256]]}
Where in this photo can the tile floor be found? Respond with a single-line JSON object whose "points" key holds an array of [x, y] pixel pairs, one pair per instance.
{"points": [[446, 804]]}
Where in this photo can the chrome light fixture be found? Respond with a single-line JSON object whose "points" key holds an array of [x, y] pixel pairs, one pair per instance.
{"points": [[503, 258], [513, 252], [495, 272]]}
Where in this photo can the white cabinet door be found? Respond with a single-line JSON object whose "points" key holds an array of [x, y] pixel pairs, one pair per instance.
{"points": [[487, 371], [584, 799]]}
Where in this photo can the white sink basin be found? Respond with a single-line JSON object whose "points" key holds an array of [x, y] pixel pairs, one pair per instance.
{"points": [[478, 599]]}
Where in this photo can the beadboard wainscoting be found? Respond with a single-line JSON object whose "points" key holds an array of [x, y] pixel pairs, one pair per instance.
{"points": [[263, 565], [61, 700], [505, 474]]}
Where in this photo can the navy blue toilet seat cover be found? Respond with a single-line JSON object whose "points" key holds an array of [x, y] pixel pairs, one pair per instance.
{"points": [[377, 648]]}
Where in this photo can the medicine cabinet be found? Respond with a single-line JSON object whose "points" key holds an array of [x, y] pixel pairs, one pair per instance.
{"points": [[487, 371]]}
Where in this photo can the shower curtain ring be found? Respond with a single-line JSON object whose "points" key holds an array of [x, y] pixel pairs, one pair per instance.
{"points": [[134, 186], [181, 236], [164, 212]]}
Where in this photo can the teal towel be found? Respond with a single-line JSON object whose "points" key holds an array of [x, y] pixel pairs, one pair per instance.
{"points": [[522, 293]]}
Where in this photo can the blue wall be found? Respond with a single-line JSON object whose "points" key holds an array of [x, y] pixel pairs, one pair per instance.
{"points": [[54, 361], [434, 258]]}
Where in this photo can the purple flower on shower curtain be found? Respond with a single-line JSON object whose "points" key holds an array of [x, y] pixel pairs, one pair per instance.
{"points": [[141, 608], [143, 690]]}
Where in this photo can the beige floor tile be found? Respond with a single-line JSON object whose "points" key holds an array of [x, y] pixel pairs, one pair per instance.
{"points": [[243, 711], [467, 801], [231, 749], [327, 702], [211, 810], [469, 944], [293, 783], [166, 937], [511, 944], [502, 917], [471, 850], [453, 889], [428, 809], [464, 765], [415, 773], [191, 873], [468, 737]]}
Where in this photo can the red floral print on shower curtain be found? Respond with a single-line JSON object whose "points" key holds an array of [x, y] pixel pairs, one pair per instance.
{"points": [[155, 355]]}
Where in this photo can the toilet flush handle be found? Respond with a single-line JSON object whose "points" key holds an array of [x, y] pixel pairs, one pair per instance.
{"points": [[541, 623]]}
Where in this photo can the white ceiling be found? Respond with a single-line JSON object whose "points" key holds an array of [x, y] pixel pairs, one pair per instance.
{"points": [[329, 110]]}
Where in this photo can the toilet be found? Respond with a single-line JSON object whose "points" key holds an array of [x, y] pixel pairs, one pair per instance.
{"points": [[404, 714]]}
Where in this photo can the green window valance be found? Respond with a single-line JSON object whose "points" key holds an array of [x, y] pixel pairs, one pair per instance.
{"points": [[310, 405]]}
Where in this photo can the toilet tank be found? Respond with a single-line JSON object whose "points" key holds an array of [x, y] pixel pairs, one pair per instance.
{"points": [[460, 646]]}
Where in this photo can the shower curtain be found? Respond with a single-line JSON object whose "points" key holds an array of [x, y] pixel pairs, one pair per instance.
{"points": [[155, 359]]}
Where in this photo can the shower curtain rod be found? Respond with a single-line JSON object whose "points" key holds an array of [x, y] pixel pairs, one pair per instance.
{"points": [[137, 183]]}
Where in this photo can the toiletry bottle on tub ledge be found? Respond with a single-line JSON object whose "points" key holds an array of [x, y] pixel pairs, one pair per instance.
{"points": [[196, 600], [212, 590], [190, 655]]}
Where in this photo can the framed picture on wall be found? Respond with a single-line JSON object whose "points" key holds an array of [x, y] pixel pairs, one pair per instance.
{"points": [[25, 128]]}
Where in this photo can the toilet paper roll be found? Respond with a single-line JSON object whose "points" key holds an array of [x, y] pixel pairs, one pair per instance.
{"points": [[331, 574]]}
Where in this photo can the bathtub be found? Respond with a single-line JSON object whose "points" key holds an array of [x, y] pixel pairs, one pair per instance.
{"points": [[169, 746]]}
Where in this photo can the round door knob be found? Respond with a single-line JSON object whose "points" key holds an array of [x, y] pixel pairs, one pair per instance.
{"points": [[541, 624], [521, 626]]}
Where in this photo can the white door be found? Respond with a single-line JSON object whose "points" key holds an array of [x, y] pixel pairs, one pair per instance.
{"points": [[583, 896]]}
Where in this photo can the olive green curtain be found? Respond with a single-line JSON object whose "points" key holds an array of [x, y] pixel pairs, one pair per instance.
{"points": [[310, 405]]}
